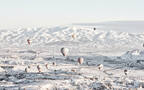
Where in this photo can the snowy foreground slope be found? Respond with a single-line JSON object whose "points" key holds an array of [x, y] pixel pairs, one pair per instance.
{"points": [[117, 51]]}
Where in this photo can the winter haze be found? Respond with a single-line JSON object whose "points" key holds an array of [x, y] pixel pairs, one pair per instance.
{"points": [[71, 45]]}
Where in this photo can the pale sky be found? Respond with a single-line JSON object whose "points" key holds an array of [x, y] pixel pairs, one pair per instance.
{"points": [[30, 13]]}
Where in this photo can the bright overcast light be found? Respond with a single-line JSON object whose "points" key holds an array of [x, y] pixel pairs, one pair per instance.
{"points": [[27, 13]]}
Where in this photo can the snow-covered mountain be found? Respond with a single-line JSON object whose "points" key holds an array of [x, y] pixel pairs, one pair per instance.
{"points": [[62, 35]]}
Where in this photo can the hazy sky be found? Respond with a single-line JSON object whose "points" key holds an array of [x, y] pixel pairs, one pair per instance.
{"points": [[27, 13]]}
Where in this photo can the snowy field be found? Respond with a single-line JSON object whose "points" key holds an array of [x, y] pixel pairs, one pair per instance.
{"points": [[40, 65]]}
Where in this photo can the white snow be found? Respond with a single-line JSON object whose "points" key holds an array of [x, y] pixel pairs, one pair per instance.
{"points": [[116, 51]]}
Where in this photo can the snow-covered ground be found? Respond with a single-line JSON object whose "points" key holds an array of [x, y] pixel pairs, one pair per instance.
{"points": [[41, 66]]}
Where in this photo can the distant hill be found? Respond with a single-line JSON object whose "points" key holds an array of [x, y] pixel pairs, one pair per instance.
{"points": [[62, 35], [121, 26]]}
